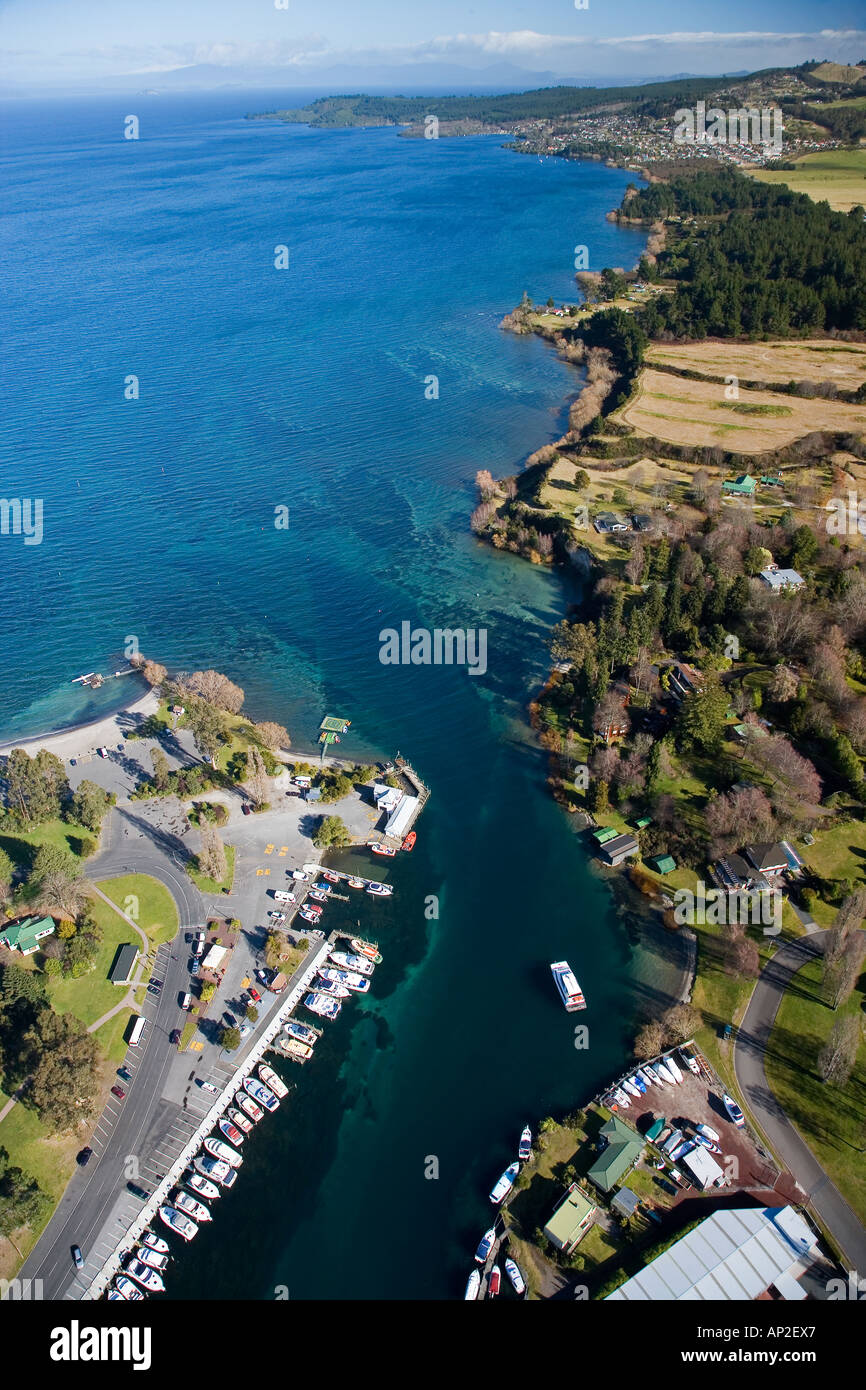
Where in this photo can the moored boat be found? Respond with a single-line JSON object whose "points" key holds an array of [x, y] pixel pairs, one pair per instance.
{"points": [[249, 1107], [631, 1088], [380, 890], [322, 1005], [707, 1132], [330, 876], [378, 848], [494, 1282], [176, 1221], [621, 1097], [148, 1278], [337, 991], [663, 1074], [637, 1080], [308, 915], [127, 1289], [505, 1184], [524, 1152], [518, 1283], [201, 1185], [213, 1168], [231, 1131], [152, 1258], [473, 1284], [155, 1243], [276, 1084], [190, 1207], [673, 1069], [351, 962], [260, 1094], [302, 1032], [351, 979], [318, 896], [409, 842], [485, 1245], [242, 1121], [570, 991], [220, 1149], [649, 1077], [295, 1050], [734, 1112], [366, 948], [355, 882]]}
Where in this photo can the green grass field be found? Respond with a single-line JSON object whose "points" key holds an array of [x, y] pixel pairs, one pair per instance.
{"points": [[157, 913], [839, 176], [830, 1118], [21, 845], [91, 996]]}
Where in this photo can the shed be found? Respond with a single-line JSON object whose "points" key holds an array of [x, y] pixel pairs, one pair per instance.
{"points": [[626, 1202], [124, 964], [607, 832], [571, 1220], [663, 863], [643, 822], [616, 850], [402, 817]]}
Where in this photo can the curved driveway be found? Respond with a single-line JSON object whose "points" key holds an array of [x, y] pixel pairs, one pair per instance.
{"points": [[749, 1054]]}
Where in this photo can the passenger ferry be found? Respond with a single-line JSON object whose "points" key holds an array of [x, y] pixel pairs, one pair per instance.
{"points": [[569, 990]]}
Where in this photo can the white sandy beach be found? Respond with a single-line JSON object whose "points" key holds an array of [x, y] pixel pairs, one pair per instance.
{"points": [[86, 738]]}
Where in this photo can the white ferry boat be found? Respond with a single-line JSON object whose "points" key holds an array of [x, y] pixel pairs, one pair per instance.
{"points": [[570, 991]]}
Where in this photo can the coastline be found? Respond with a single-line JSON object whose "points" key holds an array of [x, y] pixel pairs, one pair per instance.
{"points": [[74, 740]]}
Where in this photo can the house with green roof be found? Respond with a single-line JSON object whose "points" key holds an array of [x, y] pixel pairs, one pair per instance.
{"points": [[25, 935], [662, 863], [623, 1147], [744, 486], [571, 1220]]}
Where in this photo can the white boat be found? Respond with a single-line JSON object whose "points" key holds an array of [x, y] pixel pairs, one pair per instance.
{"points": [[707, 1143], [691, 1061], [322, 1005], [232, 1133], [663, 1074], [505, 1184], [518, 1283], [485, 1245], [649, 1076], [213, 1168], [151, 1258], [178, 1222], [524, 1152], [127, 1289], [220, 1149], [249, 1107], [473, 1284], [190, 1207], [570, 991], [621, 1098], [380, 890], [147, 1278], [366, 948], [202, 1186], [734, 1112], [350, 979], [262, 1095], [707, 1132], [295, 1049], [155, 1243], [243, 1123], [301, 1032], [673, 1069], [270, 1078], [378, 848], [352, 962], [637, 1080], [330, 987], [632, 1089]]}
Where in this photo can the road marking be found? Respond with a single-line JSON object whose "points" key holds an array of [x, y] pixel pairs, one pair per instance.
{"points": [[284, 849], [269, 849]]}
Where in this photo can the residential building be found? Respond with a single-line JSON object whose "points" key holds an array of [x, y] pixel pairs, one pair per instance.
{"points": [[622, 1147], [625, 1202], [744, 486], [778, 580], [25, 935], [571, 1220], [610, 521], [736, 1254], [685, 680], [769, 860]]}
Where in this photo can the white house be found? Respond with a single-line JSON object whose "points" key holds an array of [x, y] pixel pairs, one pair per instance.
{"points": [[776, 580]]}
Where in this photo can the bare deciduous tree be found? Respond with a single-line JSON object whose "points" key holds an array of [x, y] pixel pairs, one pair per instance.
{"points": [[838, 1055]]}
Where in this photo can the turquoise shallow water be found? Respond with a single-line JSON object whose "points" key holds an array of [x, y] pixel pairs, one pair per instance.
{"points": [[305, 388]]}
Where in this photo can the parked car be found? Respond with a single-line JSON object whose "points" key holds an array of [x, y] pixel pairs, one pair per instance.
{"points": [[230, 1019], [245, 1030], [192, 965], [186, 1003], [125, 1073], [265, 976], [247, 809], [727, 1031], [174, 1037], [118, 1091], [78, 1257], [254, 995], [198, 949], [200, 935], [137, 1191], [300, 875], [84, 1157], [209, 1086], [154, 986]]}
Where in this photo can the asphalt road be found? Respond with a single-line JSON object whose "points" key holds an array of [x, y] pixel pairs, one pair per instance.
{"points": [[121, 1137], [749, 1053]]}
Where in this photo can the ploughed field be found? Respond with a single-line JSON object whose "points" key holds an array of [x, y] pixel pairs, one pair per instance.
{"points": [[680, 411]]}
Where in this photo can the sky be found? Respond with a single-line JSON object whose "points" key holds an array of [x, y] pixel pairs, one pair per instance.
{"points": [[60, 43]]}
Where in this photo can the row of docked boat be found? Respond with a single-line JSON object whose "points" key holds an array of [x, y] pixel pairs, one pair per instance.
{"points": [[213, 1169], [349, 973], [663, 1072], [500, 1191]]}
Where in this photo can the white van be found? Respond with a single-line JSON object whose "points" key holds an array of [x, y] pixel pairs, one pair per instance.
{"points": [[186, 1002], [282, 897]]}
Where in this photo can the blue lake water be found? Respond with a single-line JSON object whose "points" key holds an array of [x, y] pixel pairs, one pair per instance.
{"points": [[304, 389]]}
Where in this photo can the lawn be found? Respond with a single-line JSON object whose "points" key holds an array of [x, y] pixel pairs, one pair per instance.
{"points": [[830, 1118], [21, 845], [155, 910], [839, 176], [49, 1159], [209, 885], [91, 996], [839, 853]]}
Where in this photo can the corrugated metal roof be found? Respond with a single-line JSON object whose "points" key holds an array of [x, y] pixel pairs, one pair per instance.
{"points": [[733, 1255]]}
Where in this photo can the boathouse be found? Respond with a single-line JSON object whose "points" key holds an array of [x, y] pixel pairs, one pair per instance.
{"points": [[623, 1147], [571, 1220], [618, 849], [402, 817]]}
